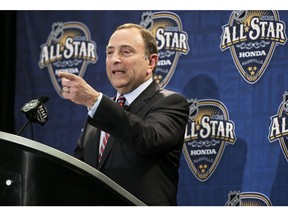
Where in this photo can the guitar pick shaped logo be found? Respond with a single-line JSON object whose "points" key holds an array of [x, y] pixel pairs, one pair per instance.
{"points": [[68, 48], [172, 41], [252, 37], [207, 132], [278, 129], [236, 198]]}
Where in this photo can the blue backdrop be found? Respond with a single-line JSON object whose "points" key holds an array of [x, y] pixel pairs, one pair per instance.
{"points": [[231, 63]]}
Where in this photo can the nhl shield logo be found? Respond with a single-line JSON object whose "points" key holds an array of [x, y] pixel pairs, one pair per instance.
{"points": [[68, 48], [171, 39], [279, 126], [207, 132], [235, 198], [57, 31], [252, 37]]}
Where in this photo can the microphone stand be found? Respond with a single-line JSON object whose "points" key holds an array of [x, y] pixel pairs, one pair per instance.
{"points": [[29, 121]]}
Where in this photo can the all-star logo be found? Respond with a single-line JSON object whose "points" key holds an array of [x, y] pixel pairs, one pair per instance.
{"points": [[172, 41], [279, 126], [68, 48], [252, 37], [207, 133], [235, 198]]}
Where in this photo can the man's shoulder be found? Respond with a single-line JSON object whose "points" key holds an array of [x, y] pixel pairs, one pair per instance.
{"points": [[169, 92]]}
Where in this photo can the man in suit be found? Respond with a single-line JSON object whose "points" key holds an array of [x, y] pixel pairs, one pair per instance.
{"points": [[146, 137]]}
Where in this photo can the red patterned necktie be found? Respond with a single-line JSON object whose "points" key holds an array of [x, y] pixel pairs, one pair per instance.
{"points": [[121, 101]]}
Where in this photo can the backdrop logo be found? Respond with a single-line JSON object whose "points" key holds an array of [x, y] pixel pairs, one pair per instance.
{"points": [[207, 132], [68, 48], [279, 126], [252, 37], [171, 39], [236, 198]]}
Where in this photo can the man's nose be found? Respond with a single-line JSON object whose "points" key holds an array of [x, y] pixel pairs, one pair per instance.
{"points": [[116, 57]]}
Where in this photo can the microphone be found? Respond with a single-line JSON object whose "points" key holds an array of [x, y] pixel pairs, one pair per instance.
{"points": [[33, 104], [43, 99], [35, 111]]}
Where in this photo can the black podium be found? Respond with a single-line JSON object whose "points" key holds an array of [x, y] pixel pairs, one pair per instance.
{"points": [[34, 174]]}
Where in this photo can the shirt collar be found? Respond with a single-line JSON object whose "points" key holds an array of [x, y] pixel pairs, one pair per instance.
{"points": [[131, 96]]}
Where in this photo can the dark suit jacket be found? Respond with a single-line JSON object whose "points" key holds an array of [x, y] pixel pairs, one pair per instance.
{"points": [[143, 151]]}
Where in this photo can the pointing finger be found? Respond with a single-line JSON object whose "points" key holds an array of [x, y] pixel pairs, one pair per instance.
{"points": [[66, 75]]}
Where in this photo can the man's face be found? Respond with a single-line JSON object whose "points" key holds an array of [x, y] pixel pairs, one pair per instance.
{"points": [[127, 66]]}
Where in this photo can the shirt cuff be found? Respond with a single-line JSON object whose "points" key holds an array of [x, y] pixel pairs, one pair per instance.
{"points": [[92, 111]]}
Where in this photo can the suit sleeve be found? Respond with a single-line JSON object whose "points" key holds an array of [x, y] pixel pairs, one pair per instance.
{"points": [[158, 126]]}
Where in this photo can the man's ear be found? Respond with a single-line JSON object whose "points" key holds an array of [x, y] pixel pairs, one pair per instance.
{"points": [[153, 60]]}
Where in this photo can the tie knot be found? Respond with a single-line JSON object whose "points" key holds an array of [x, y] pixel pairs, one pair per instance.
{"points": [[121, 100]]}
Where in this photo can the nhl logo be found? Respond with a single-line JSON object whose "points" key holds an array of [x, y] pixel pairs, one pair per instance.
{"points": [[207, 132], [252, 37], [171, 39], [235, 198], [68, 48], [278, 128], [57, 31]]}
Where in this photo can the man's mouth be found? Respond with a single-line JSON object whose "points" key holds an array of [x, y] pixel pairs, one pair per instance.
{"points": [[118, 72]]}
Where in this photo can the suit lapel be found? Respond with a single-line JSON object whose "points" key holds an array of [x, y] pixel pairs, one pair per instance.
{"points": [[92, 136], [148, 93], [134, 107]]}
